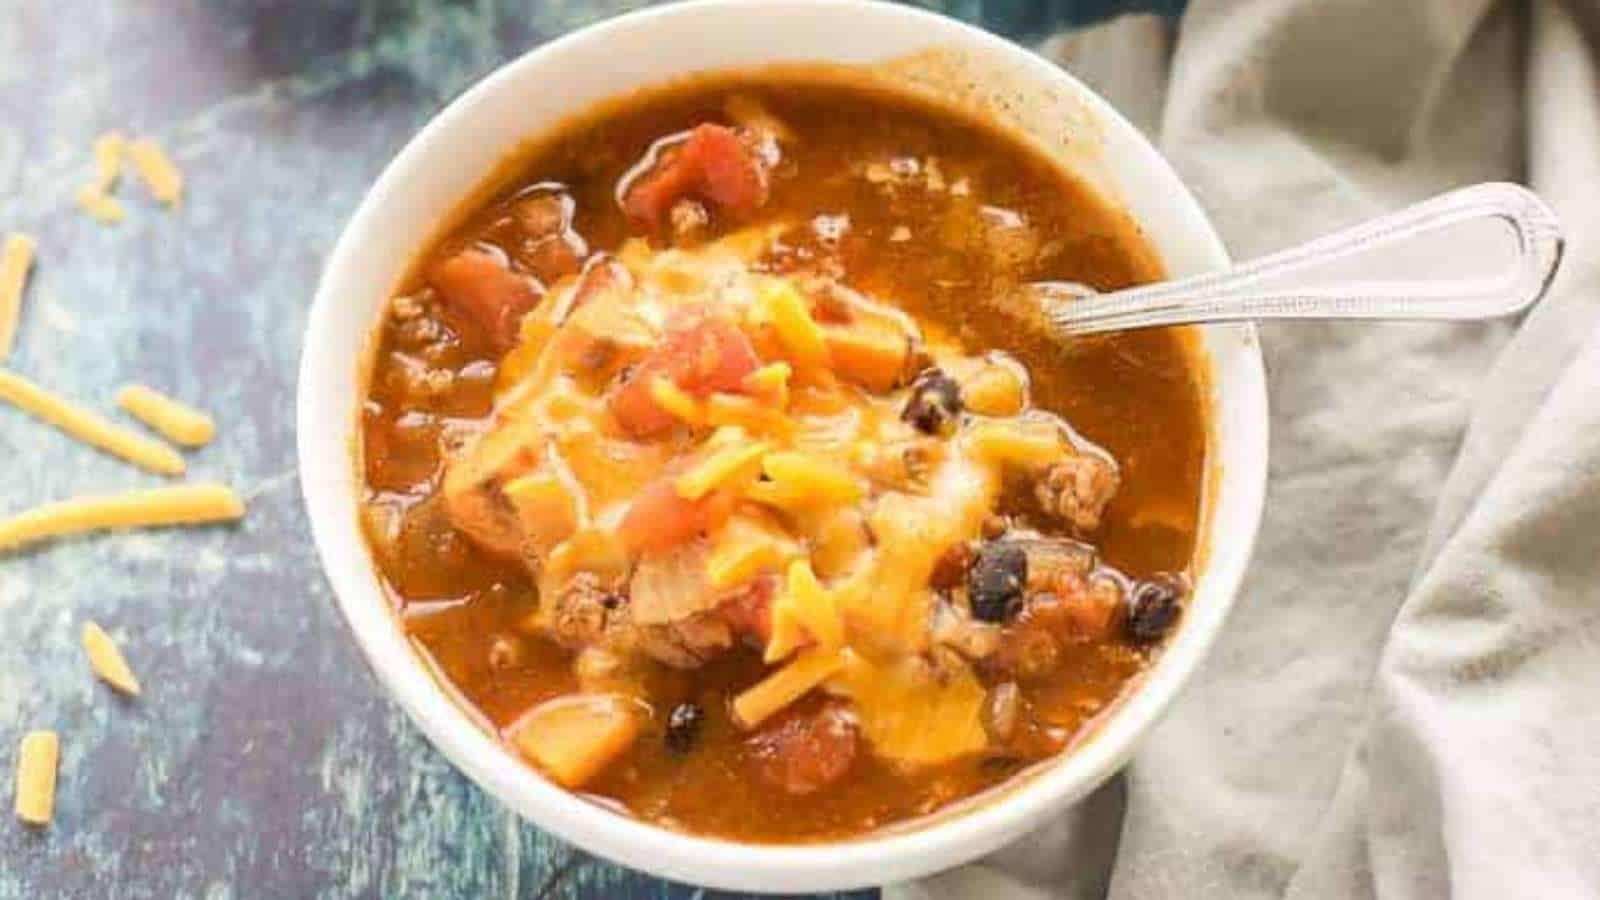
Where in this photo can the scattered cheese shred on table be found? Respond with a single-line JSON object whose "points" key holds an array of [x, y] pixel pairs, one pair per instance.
{"points": [[88, 426], [157, 171], [176, 421], [107, 660], [101, 206], [108, 150], [37, 760], [189, 504], [95, 197], [16, 260]]}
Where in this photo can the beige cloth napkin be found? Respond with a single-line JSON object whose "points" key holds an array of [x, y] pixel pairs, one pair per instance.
{"points": [[1406, 701]]}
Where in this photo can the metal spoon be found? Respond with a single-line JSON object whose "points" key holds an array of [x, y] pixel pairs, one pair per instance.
{"points": [[1277, 286]]}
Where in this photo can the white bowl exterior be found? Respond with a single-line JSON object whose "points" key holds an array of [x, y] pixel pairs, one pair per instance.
{"points": [[448, 160]]}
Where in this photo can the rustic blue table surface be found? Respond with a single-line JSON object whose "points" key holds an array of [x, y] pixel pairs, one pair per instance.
{"points": [[262, 759]]}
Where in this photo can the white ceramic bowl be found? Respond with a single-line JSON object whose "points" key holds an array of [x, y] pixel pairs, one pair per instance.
{"points": [[449, 159]]}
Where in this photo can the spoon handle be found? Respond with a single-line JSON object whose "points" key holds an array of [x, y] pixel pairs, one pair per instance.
{"points": [[1238, 293]]}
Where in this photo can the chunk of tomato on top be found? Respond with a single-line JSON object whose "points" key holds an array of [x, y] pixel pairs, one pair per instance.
{"points": [[480, 286], [713, 164], [703, 353], [659, 518]]}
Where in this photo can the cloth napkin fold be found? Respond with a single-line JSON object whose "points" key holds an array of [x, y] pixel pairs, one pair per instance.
{"points": [[1403, 703]]}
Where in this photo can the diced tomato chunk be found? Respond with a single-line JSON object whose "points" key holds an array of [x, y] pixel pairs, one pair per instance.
{"points": [[706, 355], [634, 406], [659, 518], [713, 164], [804, 750], [649, 200], [733, 176], [711, 356], [480, 287]]}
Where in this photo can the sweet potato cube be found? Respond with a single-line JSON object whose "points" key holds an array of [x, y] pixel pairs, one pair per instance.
{"points": [[573, 738], [875, 358]]}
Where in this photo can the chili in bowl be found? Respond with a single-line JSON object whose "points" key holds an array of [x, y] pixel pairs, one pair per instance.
{"points": [[713, 483]]}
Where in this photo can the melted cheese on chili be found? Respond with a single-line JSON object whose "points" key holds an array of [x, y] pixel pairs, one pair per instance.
{"points": [[677, 426]]}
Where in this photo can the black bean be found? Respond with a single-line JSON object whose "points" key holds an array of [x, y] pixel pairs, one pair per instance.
{"points": [[995, 581], [1153, 608], [935, 403], [683, 727]]}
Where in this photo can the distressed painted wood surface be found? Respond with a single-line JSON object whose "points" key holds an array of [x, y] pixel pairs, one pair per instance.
{"points": [[263, 760]]}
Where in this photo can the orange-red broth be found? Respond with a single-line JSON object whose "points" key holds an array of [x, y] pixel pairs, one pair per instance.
{"points": [[1135, 395]]}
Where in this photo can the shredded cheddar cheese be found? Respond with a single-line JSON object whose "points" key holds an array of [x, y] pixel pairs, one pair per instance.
{"points": [[190, 504], [102, 207], [108, 150], [725, 465], [676, 402], [788, 684], [178, 422], [732, 564], [804, 475], [95, 197], [747, 546], [804, 609], [914, 715], [800, 335], [37, 760], [88, 426], [16, 261], [742, 412], [772, 380], [107, 661], [157, 170]]}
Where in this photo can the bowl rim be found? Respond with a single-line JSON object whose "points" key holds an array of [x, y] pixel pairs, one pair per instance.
{"points": [[874, 858]]}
